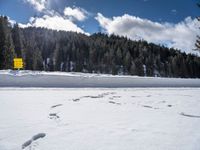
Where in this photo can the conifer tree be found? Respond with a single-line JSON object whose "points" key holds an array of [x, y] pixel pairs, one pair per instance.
{"points": [[6, 45]]}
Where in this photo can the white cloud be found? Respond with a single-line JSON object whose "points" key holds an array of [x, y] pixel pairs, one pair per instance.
{"points": [[39, 5], [76, 13], [12, 22], [181, 35], [55, 22]]}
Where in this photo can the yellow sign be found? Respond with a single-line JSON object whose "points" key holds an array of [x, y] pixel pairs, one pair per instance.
{"points": [[18, 63]]}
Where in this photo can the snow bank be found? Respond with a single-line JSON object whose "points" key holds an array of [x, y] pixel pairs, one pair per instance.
{"points": [[25, 78]]}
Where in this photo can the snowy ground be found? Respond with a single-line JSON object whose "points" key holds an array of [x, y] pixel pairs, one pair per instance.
{"points": [[25, 78], [100, 119]]}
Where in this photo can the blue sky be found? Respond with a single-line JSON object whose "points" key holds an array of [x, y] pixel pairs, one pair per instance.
{"points": [[124, 17]]}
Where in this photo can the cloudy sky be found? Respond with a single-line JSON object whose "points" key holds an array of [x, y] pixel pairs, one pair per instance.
{"points": [[168, 22]]}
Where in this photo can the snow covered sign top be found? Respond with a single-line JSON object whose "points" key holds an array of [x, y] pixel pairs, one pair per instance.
{"points": [[18, 63]]}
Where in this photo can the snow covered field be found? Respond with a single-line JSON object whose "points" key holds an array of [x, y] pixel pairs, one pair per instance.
{"points": [[25, 78], [100, 119]]}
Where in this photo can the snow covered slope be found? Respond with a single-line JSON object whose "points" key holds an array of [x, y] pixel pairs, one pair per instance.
{"points": [[99, 119], [9, 78]]}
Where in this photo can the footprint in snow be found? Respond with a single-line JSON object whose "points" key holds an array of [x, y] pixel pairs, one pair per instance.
{"points": [[189, 115], [98, 96], [76, 100], [53, 116], [115, 97], [112, 102], [146, 106], [54, 106], [34, 138]]}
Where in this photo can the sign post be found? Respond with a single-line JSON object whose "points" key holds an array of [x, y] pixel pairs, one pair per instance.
{"points": [[18, 63]]}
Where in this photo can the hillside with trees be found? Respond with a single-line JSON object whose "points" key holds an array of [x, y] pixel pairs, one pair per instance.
{"points": [[51, 50]]}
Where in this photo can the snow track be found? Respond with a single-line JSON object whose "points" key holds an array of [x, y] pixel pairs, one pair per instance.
{"points": [[99, 119]]}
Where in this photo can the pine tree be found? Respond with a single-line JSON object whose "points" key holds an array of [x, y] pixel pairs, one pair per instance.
{"points": [[2, 42], [37, 60], [127, 62], [18, 39], [6, 45]]}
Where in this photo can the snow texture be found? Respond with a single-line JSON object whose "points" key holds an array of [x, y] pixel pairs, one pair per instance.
{"points": [[99, 119], [9, 78]]}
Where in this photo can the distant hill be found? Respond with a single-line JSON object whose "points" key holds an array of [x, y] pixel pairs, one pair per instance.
{"points": [[50, 50]]}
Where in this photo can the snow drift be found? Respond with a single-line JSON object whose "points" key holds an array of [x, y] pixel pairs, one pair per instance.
{"points": [[9, 78]]}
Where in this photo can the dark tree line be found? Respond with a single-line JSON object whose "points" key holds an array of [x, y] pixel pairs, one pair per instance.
{"points": [[50, 50]]}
